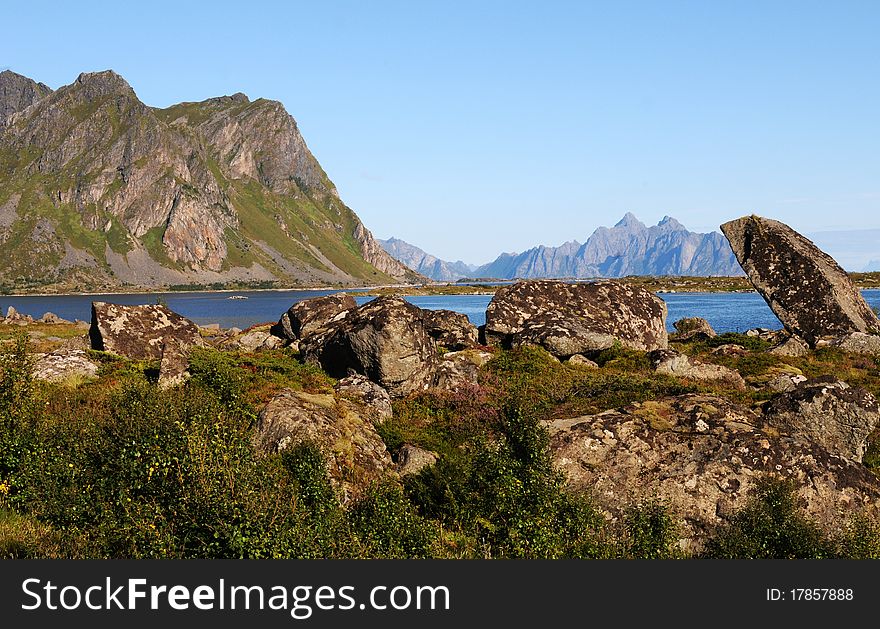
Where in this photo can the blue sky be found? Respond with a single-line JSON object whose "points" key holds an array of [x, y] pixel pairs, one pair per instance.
{"points": [[471, 128]]}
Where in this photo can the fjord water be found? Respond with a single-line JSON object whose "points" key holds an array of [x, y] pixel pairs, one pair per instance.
{"points": [[726, 312]]}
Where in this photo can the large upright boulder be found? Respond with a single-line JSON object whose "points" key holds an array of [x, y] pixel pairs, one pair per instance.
{"points": [[385, 340], [568, 319], [140, 332], [805, 287], [452, 330], [313, 316]]}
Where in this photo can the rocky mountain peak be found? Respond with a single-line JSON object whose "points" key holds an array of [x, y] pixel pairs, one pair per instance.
{"points": [[104, 83], [629, 220], [18, 92], [670, 224]]}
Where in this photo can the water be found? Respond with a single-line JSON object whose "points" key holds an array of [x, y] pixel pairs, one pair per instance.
{"points": [[726, 312]]}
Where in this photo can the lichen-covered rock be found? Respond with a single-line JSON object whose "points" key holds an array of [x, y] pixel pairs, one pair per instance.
{"points": [[384, 340], [859, 343], [693, 327], [313, 316], [828, 412], [792, 346], [730, 349], [785, 382], [354, 452], [568, 319], [460, 369], [452, 330], [174, 364], [64, 365], [139, 332], [363, 390], [805, 287], [413, 459], [673, 363], [702, 455]]}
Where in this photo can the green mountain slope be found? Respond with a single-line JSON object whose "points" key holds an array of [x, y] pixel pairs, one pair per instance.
{"points": [[98, 190]]}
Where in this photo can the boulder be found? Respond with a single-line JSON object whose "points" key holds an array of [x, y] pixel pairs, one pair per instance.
{"points": [[785, 382], [451, 330], [568, 319], [312, 316], [805, 287], [64, 365], [828, 412], [672, 363], [792, 346], [701, 455], [354, 452], [384, 340], [139, 332], [693, 328], [253, 340], [859, 343], [373, 397], [51, 317], [582, 361], [460, 369], [730, 349], [413, 459], [14, 317], [173, 364]]}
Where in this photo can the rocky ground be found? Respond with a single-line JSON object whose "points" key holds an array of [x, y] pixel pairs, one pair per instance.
{"points": [[571, 424]]}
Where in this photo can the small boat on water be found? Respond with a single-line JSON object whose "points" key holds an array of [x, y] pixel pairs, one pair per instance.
{"points": [[236, 297]]}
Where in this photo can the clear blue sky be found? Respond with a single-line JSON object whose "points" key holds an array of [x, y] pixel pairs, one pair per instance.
{"points": [[469, 128]]}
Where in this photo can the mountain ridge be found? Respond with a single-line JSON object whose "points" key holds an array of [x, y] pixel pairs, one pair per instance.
{"points": [[628, 248], [98, 189]]}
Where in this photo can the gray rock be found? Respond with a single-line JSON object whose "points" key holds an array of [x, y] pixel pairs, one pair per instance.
{"points": [[859, 343], [413, 459], [785, 382], [313, 316], [569, 319], [828, 412], [693, 328], [805, 287], [582, 361], [701, 455], [64, 365], [361, 389], [460, 369], [139, 332], [384, 340], [354, 452], [672, 363], [173, 364], [730, 349], [452, 330], [792, 346], [51, 317]]}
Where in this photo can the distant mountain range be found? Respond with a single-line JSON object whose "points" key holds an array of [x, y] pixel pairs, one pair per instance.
{"points": [[872, 266], [426, 264], [628, 248]]}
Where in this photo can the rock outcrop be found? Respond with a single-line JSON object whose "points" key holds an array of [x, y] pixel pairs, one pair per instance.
{"points": [[385, 340], [809, 292], [413, 459], [374, 398], [18, 92], [64, 365], [354, 452], [452, 330], [139, 332], [313, 316], [859, 343], [568, 319], [702, 455], [693, 328], [827, 412], [673, 363]]}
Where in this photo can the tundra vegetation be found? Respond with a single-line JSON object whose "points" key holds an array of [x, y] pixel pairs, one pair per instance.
{"points": [[117, 466]]}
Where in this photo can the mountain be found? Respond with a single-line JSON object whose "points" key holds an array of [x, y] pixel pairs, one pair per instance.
{"points": [[628, 248], [872, 266], [98, 190], [426, 264]]}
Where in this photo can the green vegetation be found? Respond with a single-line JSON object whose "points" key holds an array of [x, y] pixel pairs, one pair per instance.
{"points": [[119, 468]]}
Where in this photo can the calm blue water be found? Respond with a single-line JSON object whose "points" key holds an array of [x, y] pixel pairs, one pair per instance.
{"points": [[726, 312]]}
